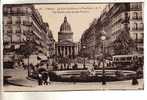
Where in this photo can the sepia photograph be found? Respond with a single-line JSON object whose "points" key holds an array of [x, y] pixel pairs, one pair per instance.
{"points": [[73, 46]]}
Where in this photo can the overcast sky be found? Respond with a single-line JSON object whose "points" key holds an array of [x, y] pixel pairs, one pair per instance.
{"points": [[78, 15]]}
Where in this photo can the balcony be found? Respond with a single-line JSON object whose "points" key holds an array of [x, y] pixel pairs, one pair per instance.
{"points": [[15, 13], [136, 8], [137, 18], [27, 23], [137, 29]]}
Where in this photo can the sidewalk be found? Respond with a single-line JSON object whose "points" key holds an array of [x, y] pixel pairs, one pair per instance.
{"points": [[69, 86], [19, 77]]}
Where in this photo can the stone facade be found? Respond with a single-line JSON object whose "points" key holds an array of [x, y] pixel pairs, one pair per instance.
{"points": [[23, 26], [65, 47], [114, 21]]}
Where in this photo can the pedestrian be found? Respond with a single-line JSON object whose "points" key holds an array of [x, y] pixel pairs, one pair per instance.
{"points": [[45, 78], [48, 79], [23, 65], [134, 81], [16, 65], [61, 67], [32, 67], [47, 65], [37, 66], [94, 65], [39, 79]]}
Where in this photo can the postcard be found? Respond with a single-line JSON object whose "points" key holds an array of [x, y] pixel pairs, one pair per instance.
{"points": [[73, 46]]}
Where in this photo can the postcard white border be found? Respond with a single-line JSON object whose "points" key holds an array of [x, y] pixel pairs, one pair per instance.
{"points": [[86, 95]]}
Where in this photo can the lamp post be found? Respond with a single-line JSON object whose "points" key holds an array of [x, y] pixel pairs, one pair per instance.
{"points": [[136, 42], [27, 54], [103, 37], [84, 57], [28, 51]]}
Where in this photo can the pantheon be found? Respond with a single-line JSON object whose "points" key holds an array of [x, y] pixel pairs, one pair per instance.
{"points": [[65, 47]]}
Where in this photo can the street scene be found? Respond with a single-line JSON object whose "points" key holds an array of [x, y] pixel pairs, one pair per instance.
{"points": [[56, 47]]}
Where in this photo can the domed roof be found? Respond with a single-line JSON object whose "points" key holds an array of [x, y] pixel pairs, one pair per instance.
{"points": [[65, 26]]}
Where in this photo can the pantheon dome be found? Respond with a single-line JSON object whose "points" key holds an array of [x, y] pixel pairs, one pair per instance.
{"points": [[65, 32], [65, 26]]}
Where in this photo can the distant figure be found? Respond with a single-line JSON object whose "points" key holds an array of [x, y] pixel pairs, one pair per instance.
{"points": [[23, 65], [32, 67], [135, 64], [45, 78], [48, 79], [94, 65], [64, 66], [68, 66], [134, 81], [75, 66], [61, 67], [55, 67], [37, 66], [39, 79], [91, 71], [47, 65], [16, 65]]}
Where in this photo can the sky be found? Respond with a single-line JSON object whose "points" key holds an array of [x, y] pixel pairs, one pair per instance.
{"points": [[79, 16]]}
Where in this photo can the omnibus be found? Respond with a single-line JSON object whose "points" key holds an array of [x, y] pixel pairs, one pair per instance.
{"points": [[125, 61]]}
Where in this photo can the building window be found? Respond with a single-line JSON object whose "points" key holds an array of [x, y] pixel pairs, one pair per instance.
{"points": [[9, 29], [9, 10], [142, 35], [9, 21], [27, 21], [139, 5], [141, 38], [136, 6], [136, 36], [140, 15], [14, 10], [18, 10], [18, 29], [135, 26], [135, 15], [141, 26], [26, 10], [18, 20], [5, 10]]}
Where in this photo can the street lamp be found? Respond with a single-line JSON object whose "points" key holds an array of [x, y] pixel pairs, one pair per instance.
{"points": [[103, 38], [28, 51], [84, 56]]}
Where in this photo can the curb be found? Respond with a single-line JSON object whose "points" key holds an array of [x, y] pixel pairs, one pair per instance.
{"points": [[15, 84], [29, 78]]}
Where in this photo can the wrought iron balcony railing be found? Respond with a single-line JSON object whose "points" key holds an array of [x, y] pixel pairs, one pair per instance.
{"points": [[27, 23]]}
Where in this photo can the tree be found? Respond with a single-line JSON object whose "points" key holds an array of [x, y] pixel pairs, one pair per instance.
{"points": [[123, 44], [26, 50]]}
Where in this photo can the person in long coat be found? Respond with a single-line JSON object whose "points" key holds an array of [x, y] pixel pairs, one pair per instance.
{"points": [[39, 78], [45, 78]]}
